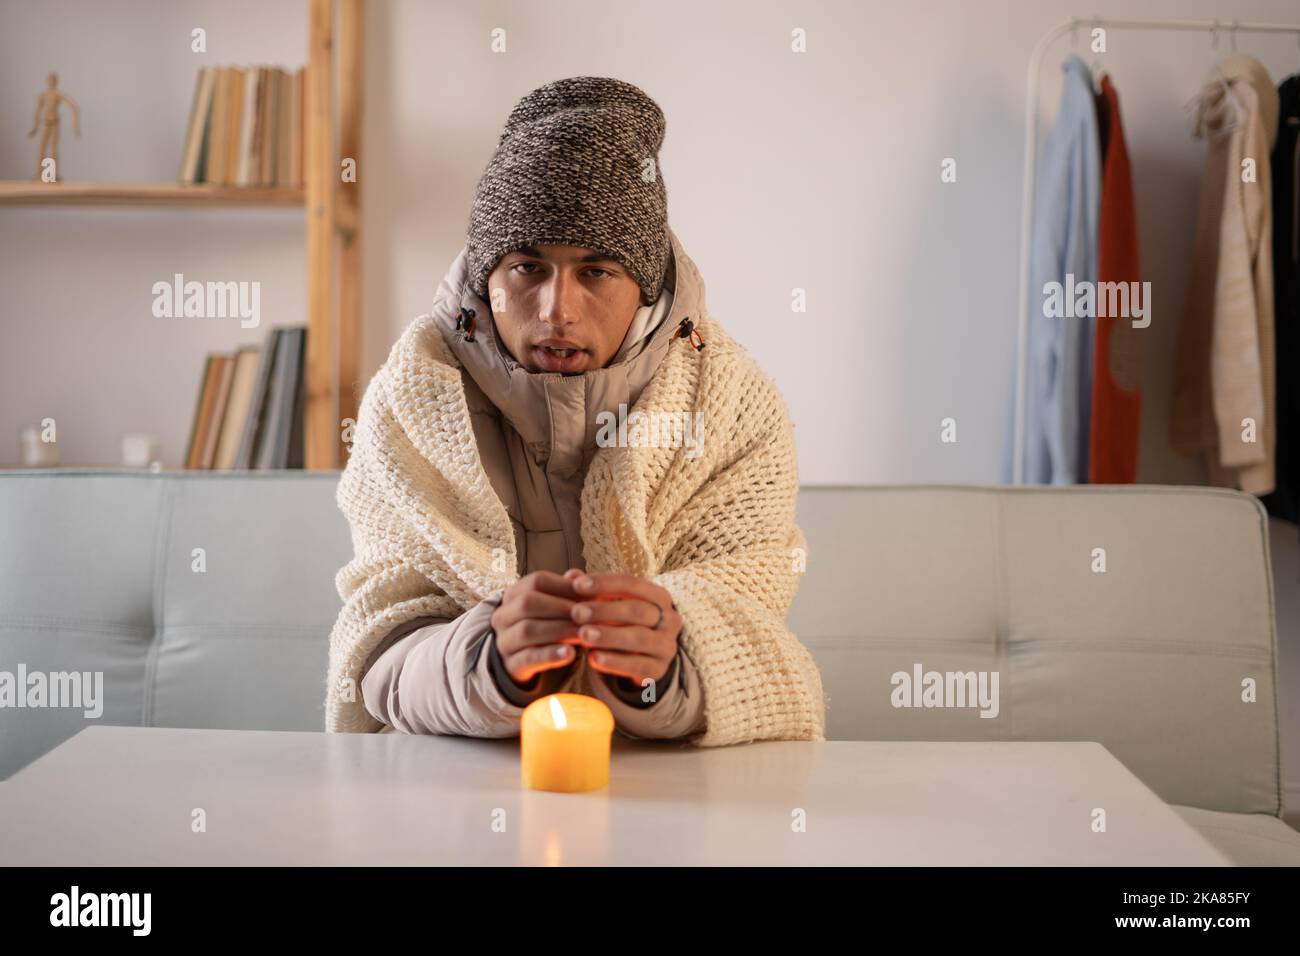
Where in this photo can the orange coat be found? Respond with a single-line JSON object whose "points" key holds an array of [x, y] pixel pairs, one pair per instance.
{"points": [[1117, 355]]}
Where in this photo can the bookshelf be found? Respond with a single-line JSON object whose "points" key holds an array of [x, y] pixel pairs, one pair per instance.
{"points": [[25, 193], [331, 212]]}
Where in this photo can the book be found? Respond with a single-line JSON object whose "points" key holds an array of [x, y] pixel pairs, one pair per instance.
{"points": [[225, 367], [285, 393], [237, 406], [259, 130], [213, 168], [234, 123], [186, 143], [254, 425], [200, 109], [283, 128], [205, 142], [296, 128], [266, 161], [202, 413], [296, 455], [207, 418], [247, 119]]}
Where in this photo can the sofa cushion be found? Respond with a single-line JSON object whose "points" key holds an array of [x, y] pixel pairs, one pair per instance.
{"points": [[1247, 839], [1148, 657], [100, 572]]}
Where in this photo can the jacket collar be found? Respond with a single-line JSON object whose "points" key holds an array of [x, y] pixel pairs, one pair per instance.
{"points": [[555, 414]]}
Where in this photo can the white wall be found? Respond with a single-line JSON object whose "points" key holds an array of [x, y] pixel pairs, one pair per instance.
{"points": [[818, 170]]}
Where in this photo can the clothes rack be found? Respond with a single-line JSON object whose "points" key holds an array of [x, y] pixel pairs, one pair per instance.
{"points": [[1027, 198]]}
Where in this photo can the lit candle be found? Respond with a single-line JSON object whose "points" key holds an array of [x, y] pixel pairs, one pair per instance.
{"points": [[564, 741]]}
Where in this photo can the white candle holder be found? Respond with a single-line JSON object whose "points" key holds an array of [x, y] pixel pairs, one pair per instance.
{"points": [[139, 451], [33, 452]]}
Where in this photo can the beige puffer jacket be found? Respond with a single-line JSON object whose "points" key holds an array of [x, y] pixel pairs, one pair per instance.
{"points": [[536, 435]]}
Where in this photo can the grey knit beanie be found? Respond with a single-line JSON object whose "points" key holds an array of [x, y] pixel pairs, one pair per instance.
{"points": [[577, 164]]}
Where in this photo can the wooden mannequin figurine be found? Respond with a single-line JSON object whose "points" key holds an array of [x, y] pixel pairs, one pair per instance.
{"points": [[47, 119]]}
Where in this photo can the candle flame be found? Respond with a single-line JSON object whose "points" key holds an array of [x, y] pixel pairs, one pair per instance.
{"points": [[557, 714]]}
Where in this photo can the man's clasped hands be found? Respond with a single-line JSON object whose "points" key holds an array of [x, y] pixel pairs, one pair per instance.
{"points": [[546, 618]]}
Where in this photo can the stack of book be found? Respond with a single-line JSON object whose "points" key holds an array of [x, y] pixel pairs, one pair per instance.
{"points": [[250, 406], [246, 128]]}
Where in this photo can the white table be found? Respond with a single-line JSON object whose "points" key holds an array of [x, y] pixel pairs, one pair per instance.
{"points": [[127, 796]]}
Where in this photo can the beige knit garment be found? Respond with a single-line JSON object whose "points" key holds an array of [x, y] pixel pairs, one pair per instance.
{"points": [[1224, 369], [717, 531]]}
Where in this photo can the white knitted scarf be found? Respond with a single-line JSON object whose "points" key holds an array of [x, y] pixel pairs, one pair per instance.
{"points": [[715, 529]]}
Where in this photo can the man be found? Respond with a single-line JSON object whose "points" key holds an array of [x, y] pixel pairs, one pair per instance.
{"points": [[567, 477]]}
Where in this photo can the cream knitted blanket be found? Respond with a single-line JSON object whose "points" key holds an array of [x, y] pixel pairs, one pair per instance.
{"points": [[716, 529]]}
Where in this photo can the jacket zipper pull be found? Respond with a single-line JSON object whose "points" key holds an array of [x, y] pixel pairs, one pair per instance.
{"points": [[686, 328], [465, 322]]}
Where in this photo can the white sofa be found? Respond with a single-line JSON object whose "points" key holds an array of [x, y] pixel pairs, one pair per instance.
{"points": [[1148, 657]]}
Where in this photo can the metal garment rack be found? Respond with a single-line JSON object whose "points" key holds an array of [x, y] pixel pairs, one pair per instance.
{"points": [[1027, 198]]}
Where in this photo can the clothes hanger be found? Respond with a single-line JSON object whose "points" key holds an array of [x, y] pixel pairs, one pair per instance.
{"points": [[1223, 79], [1217, 73], [1093, 75], [1098, 71], [1074, 48]]}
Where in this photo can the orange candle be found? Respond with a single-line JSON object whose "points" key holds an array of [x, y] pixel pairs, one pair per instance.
{"points": [[564, 741]]}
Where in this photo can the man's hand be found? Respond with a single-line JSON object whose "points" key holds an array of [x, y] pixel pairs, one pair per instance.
{"points": [[534, 629], [617, 615]]}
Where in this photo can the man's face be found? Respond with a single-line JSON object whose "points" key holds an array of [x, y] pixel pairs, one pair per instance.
{"points": [[565, 297]]}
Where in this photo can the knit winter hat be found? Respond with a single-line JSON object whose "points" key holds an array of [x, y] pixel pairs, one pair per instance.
{"points": [[577, 164]]}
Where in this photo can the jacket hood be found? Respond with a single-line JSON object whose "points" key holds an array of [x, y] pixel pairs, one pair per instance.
{"points": [[683, 283], [557, 414]]}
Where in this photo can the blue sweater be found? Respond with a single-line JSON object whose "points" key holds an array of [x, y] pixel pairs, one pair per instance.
{"points": [[1064, 242]]}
